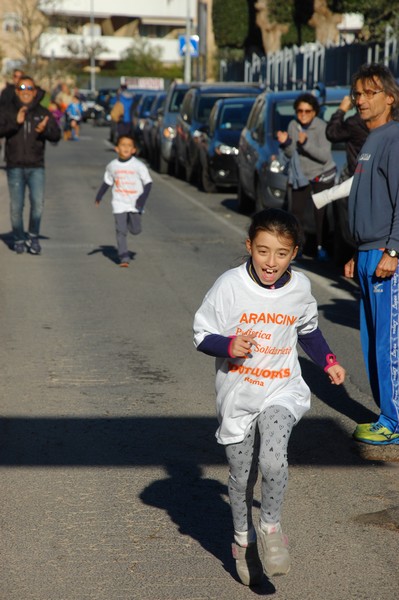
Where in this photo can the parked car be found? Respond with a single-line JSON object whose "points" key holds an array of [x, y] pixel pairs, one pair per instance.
{"points": [[88, 101], [139, 114], [219, 144], [165, 128], [262, 176], [194, 113], [150, 126]]}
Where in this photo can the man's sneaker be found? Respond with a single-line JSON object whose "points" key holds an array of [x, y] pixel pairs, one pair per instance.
{"points": [[276, 559], [375, 433], [19, 247], [248, 564], [33, 245]]}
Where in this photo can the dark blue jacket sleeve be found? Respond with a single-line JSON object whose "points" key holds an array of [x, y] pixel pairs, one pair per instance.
{"points": [[316, 347], [216, 345], [142, 199], [104, 187]]}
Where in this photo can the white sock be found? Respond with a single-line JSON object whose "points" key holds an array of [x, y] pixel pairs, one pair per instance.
{"points": [[244, 538]]}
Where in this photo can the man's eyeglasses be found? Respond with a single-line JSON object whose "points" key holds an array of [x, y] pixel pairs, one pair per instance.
{"points": [[369, 94], [30, 88], [307, 111]]}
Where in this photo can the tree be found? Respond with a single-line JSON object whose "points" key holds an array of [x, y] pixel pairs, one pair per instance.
{"points": [[144, 60], [230, 23], [29, 26], [378, 14]]}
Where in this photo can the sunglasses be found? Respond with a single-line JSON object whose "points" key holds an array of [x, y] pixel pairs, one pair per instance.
{"points": [[307, 111], [30, 88]]}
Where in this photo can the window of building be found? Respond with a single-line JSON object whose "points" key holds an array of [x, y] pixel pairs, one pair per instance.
{"points": [[12, 22]]}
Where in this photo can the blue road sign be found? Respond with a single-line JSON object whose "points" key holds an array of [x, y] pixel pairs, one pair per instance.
{"points": [[194, 45]]}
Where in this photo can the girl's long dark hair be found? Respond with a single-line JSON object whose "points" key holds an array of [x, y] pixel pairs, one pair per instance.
{"points": [[278, 221]]}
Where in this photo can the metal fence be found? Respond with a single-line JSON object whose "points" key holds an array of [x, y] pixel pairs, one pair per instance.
{"points": [[301, 68]]}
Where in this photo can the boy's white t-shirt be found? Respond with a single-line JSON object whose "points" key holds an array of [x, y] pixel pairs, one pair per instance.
{"points": [[244, 387], [128, 180]]}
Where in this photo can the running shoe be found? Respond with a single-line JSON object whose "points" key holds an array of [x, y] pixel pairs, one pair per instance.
{"points": [[33, 245], [276, 559], [248, 564], [375, 433]]}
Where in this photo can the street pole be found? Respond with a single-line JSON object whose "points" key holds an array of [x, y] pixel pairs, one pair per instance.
{"points": [[92, 57], [187, 56]]}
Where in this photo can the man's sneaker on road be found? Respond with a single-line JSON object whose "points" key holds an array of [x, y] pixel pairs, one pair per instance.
{"points": [[19, 247], [248, 564], [275, 556], [375, 433], [33, 245]]}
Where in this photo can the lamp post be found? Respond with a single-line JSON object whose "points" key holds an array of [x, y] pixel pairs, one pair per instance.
{"points": [[187, 56], [92, 57]]}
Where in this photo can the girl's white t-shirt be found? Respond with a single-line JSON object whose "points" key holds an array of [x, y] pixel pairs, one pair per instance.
{"points": [[128, 180], [244, 387]]}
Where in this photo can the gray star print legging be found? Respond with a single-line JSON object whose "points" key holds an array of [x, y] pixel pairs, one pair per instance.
{"points": [[264, 448]]}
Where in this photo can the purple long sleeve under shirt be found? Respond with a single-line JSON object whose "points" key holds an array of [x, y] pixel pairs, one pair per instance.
{"points": [[313, 344]]}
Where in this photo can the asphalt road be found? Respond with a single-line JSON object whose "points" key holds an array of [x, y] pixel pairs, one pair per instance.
{"points": [[112, 484]]}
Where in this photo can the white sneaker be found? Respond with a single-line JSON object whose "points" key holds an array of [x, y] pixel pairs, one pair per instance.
{"points": [[248, 564], [276, 559]]}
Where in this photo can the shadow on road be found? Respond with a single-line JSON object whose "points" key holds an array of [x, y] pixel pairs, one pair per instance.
{"points": [[8, 239], [110, 252]]}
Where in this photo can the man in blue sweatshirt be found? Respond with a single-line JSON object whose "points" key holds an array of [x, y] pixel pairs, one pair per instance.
{"points": [[374, 223]]}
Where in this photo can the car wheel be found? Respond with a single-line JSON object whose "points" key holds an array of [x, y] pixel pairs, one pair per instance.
{"points": [[207, 184], [259, 204], [245, 202], [179, 170], [162, 164], [189, 171]]}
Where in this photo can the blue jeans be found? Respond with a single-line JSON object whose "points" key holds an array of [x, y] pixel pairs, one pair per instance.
{"points": [[20, 178]]}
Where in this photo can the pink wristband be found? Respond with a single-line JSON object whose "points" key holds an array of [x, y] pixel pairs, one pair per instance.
{"points": [[331, 361]]}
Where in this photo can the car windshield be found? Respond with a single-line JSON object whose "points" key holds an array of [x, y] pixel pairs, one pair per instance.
{"points": [[205, 106], [283, 113], [146, 103], [176, 101], [234, 116]]}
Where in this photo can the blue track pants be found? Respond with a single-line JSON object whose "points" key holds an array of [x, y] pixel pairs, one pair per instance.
{"points": [[379, 332]]}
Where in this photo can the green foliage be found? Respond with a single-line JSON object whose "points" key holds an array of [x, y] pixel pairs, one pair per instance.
{"points": [[377, 15], [143, 60], [296, 14], [230, 23]]}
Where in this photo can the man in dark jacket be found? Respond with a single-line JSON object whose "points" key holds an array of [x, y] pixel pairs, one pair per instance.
{"points": [[352, 130], [26, 125], [8, 93]]}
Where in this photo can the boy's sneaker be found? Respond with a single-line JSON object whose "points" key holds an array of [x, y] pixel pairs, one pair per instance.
{"points": [[375, 433], [19, 247], [276, 559], [33, 245], [124, 260], [248, 564]]}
